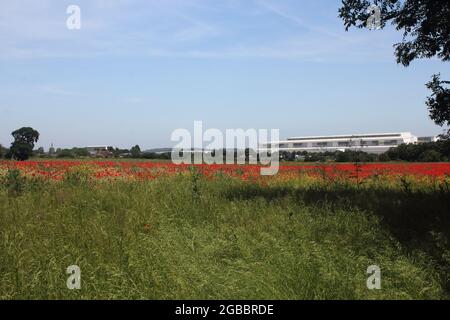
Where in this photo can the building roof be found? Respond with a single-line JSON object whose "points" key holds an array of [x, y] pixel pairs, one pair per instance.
{"points": [[353, 136]]}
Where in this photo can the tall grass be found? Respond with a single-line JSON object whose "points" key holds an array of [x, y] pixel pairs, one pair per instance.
{"points": [[187, 237]]}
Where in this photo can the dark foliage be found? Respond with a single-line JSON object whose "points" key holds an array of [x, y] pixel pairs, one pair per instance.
{"points": [[439, 102], [23, 145], [135, 152], [422, 152]]}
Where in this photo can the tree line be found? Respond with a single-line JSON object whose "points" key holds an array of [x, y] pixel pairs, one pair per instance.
{"points": [[438, 151], [22, 148]]}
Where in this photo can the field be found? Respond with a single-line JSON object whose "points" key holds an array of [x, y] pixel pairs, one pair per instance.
{"points": [[146, 230]]}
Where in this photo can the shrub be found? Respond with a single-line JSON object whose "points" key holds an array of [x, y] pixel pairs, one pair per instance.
{"points": [[14, 182], [430, 156], [65, 154]]}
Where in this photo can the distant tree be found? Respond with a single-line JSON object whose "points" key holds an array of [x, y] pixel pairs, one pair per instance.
{"points": [[426, 34], [342, 156], [430, 156], [406, 152], [135, 151], [120, 152], [384, 157], [165, 156], [392, 154], [285, 155], [443, 146], [65, 153], [80, 152], [4, 152], [149, 155], [23, 145], [354, 156], [424, 152]]}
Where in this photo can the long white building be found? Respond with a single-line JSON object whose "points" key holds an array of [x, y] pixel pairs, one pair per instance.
{"points": [[370, 143]]}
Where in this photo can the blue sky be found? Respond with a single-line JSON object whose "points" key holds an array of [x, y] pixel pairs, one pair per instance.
{"points": [[137, 70]]}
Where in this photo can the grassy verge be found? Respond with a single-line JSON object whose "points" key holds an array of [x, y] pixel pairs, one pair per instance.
{"points": [[187, 237]]}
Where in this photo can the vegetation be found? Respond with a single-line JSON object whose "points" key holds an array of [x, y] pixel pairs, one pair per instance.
{"points": [[135, 151], [72, 153], [25, 138], [23, 145], [188, 235], [426, 34], [160, 156], [424, 152], [439, 102]]}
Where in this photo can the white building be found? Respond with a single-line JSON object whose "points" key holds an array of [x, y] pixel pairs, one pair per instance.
{"points": [[427, 139], [370, 143]]}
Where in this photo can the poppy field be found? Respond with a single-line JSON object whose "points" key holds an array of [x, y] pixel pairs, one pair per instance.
{"points": [[155, 230], [58, 170]]}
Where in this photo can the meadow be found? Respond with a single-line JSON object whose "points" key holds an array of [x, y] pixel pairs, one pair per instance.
{"points": [[147, 230]]}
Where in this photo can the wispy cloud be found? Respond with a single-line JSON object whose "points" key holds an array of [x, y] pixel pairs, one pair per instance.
{"points": [[174, 28], [54, 90], [317, 30], [195, 30]]}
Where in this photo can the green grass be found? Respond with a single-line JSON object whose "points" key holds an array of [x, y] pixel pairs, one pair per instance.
{"points": [[179, 238]]}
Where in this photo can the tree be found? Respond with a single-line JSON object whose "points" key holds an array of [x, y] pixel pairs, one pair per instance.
{"points": [[439, 102], [135, 151], [23, 145], [430, 156], [426, 34], [65, 153], [1, 151], [120, 152], [79, 152]]}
